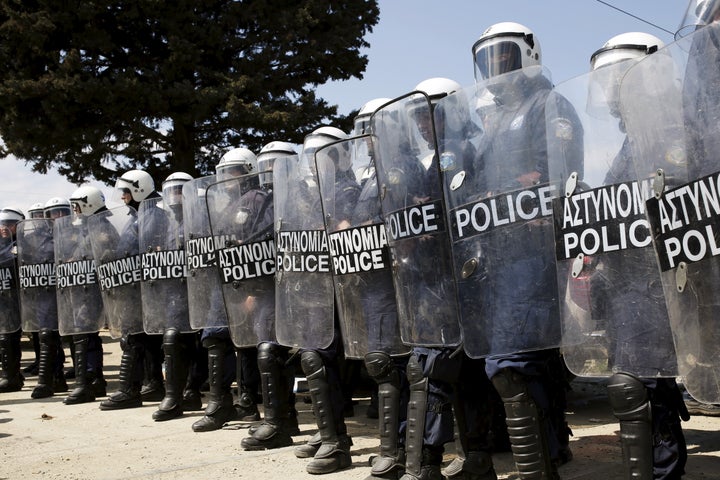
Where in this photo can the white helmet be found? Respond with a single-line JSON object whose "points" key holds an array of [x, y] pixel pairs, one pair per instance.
{"points": [[362, 119], [236, 162], [610, 63], [87, 200], [625, 46], [11, 215], [322, 136], [36, 210], [267, 155], [172, 188], [57, 207], [437, 88], [138, 183], [505, 47]]}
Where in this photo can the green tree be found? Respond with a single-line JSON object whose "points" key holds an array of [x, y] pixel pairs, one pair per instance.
{"points": [[99, 87]]}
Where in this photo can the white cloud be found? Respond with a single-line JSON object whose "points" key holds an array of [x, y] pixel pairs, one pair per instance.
{"points": [[21, 187]]}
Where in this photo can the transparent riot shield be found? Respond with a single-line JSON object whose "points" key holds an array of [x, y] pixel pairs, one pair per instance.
{"points": [[670, 106], [115, 246], [242, 213], [359, 253], [499, 210], [304, 305], [36, 273], [411, 196], [80, 304], [164, 271], [9, 296], [205, 301], [611, 298]]}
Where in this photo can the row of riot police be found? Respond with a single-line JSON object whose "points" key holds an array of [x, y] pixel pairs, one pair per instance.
{"points": [[30, 303], [473, 246], [526, 220], [531, 225]]}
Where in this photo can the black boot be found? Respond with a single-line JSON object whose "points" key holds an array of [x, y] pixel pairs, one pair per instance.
{"points": [[153, 389], [274, 432], [334, 452], [33, 368], [220, 409], [128, 395], [11, 380], [46, 364], [197, 372], [246, 409], [176, 372], [430, 460], [83, 392], [95, 375]]}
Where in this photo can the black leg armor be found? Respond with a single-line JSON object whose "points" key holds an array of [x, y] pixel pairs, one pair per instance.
{"points": [[526, 427], [220, 408], [629, 401], [176, 372], [275, 431], [334, 452], [83, 392], [391, 461], [49, 341], [131, 368], [11, 380]]}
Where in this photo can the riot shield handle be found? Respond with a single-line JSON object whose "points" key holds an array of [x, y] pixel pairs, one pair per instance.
{"points": [[571, 184], [681, 277], [659, 182], [577, 265]]}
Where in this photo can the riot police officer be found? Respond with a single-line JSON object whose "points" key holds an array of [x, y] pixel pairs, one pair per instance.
{"points": [[38, 299], [80, 305], [514, 274], [11, 378], [237, 162], [276, 371], [648, 408], [366, 293], [36, 210], [222, 357], [305, 299], [141, 376], [164, 294]]}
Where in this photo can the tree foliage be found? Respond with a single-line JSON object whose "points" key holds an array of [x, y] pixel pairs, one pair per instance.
{"points": [[98, 87]]}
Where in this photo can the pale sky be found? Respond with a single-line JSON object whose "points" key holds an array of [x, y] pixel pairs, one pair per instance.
{"points": [[420, 39]]}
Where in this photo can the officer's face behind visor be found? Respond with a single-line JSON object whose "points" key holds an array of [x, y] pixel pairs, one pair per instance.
{"points": [[173, 195], [497, 59]]}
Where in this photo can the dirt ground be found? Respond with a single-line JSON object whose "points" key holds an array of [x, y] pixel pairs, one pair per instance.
{"points": [[50, 440]]}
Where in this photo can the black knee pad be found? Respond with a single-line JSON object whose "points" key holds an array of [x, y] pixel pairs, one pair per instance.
{"points": [[269, 355], [171, 335], [213, 342], [48, 337], [381, 368], [312, 364], [511, 385], [628, 398]]}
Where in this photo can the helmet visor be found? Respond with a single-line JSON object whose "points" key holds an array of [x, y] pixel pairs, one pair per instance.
{"points": [[172, 193], [361, 125], [232, 170], [58, 211], [497, 59]]}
